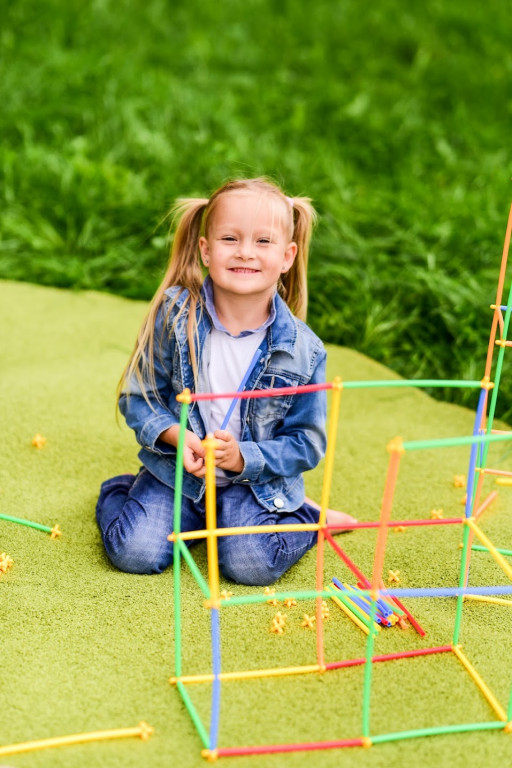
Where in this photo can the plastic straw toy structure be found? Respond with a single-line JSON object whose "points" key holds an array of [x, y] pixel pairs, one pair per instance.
{"points": [[372, 588]]}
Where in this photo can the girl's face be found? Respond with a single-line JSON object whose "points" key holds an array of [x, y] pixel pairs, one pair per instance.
{"points": [[247, 246]]}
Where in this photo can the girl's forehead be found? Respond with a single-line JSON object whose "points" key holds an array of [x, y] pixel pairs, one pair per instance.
{"points": [[247, 208]]}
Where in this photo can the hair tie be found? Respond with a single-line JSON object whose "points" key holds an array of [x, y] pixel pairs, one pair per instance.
{"points": [[290, 201]]}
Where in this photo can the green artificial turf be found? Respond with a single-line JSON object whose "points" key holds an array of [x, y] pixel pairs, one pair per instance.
{"points": [[86, 648]]}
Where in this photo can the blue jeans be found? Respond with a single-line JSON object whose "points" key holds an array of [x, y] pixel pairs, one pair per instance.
{"points": [[135, 515]]}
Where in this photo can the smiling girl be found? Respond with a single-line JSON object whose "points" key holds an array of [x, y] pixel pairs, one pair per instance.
{"points": [[243, 321]]}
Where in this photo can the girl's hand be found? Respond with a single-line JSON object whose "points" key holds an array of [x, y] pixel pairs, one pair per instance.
{"points": [[227, 454], [193, 453]]}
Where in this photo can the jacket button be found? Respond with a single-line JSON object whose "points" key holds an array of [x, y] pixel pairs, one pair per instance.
{"points": [[278, 503]]}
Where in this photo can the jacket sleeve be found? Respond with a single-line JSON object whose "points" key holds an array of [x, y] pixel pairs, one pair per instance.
{"points": [[150, 417], [299, 442]]}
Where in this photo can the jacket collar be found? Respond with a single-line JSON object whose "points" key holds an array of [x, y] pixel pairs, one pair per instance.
{"points": [[281, 334]]}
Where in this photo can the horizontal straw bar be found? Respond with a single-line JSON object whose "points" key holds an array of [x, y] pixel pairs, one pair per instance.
{"points": [[249, 674], [306, 669], [448, 442], [487, 693], [273, 748], [484, 599], [439, 731], [433, 592], [142, 729], [278, 391], [500, 472], [193, 714], [446, 592], [28, 523], [389, 657], [194, 569], [480, 548], [248, 529], [252, 529]]}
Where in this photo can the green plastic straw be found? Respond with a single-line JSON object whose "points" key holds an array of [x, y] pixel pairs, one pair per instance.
{"points": [[480, 548], [28, 523], [462, 580], [437, 731], [411, 383], [178, 485], [196, 573], [193, 714], [351, 606], [448, 442], [368, 669]]}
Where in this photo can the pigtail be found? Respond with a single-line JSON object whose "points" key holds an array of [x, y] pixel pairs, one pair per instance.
{"points": [[183, 270], [294, 285]]}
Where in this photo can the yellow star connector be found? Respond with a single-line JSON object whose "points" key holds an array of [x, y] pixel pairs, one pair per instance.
{"points": [[184, 397], [396, 445]]}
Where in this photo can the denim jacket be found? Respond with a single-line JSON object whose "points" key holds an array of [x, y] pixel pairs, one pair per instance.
{"points": [[281, 436]]}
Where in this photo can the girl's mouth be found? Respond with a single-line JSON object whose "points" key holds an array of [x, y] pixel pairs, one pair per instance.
{"points": [[244, 270]]}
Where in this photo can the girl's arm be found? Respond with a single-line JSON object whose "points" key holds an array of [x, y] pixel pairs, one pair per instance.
{"points": [[150, 416]]}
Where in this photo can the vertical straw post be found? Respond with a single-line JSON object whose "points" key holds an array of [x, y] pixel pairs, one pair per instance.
{"points": [[213, 578], [184, 398], [337, 388], [396, 449]]}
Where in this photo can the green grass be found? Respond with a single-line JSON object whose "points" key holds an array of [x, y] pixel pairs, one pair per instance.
{"points": [[85, 647], [394, 117]]}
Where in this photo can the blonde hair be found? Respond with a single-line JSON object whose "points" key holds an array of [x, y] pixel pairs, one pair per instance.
{"points": [[191, 218]]}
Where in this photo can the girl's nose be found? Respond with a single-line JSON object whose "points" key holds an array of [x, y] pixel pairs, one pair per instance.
{"points": [[245, 249]]}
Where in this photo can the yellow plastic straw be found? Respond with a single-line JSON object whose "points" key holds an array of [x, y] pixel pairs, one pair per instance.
{"points": [[237, 530], [494, 703], [324, 503], [246, 674], [211, 518], [351, 615], [143, 730], [490, 546], [488, 599], [337, 387]]}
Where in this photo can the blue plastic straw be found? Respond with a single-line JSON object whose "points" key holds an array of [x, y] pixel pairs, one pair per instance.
{"points": [[446, 592], [473, 454], [240, 388], [216, 668]]}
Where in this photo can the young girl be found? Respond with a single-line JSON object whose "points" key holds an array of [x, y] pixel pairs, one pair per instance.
{"points": [[242, 322]]}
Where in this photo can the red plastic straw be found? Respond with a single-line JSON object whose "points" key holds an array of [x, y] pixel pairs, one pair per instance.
{"points": [[419, 629], [346, 559], [304, 747], [389, 657], [366, 584], [250, 393], [396, 523]]}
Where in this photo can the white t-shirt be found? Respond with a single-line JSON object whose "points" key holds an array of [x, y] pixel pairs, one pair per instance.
{"points": [[230, 358]]}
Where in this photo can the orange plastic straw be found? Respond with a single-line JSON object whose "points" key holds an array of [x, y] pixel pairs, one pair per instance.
{"points": [[387, 501]]}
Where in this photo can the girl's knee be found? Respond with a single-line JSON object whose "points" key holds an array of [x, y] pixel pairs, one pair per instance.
{"points": [[246, 561], [135, 545]]}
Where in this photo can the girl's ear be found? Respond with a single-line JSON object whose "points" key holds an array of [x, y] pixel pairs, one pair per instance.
{"points": [[289, 257], [205, 251]]}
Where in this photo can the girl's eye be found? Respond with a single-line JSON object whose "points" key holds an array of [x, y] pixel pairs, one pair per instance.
{"points": [[264, 240], [229, 238]]}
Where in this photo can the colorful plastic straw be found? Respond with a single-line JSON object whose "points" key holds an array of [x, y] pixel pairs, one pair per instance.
{"points": [[143, 730], [28, 523]]}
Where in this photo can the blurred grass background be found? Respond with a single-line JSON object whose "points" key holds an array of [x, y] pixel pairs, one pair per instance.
{"points": [[394, 117]]}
